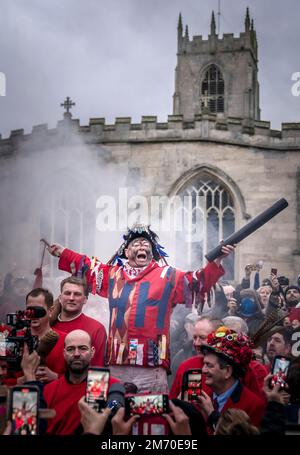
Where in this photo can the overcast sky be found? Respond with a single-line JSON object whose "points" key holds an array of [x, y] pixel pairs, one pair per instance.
{"points": [[117, 57]]}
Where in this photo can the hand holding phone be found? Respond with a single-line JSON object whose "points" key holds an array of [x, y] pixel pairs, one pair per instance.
{"points": [[279, 372], [152, 404], [23, 410], [191, 385], [97, 387]]}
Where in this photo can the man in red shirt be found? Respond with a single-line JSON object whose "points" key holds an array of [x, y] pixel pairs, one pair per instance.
{"points": [[202, 328], [141, 297], [53, 364], [63, 394], [71, 317], [226, 358]]}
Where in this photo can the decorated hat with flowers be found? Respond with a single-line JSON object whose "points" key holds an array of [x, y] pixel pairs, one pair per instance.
{"points": [[233, 347]]}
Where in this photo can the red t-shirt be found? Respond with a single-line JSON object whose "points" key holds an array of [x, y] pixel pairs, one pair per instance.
{"points": [[63, 397], [55, 360], [96, 331]]}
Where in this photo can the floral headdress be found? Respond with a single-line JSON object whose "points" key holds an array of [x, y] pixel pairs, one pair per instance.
{"points": [[231, 346]]}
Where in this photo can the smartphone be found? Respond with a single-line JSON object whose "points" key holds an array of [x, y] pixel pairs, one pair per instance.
{"points": [[8, 350], [191, 385], [23, 410], [152, 404], [279, 371], [274, 271], [97, 387]]}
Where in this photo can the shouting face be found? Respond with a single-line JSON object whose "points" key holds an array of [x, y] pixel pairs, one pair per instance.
{"points": [[139, 252]]}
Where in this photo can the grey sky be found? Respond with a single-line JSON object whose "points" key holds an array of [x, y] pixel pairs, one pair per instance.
{"points": [[117, 57]]}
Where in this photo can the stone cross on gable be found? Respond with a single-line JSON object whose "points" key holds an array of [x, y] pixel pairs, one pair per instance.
{"points": [[67, 104]]}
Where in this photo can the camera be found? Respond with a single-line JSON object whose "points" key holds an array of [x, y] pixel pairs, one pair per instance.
{"points": [[11, 347]]}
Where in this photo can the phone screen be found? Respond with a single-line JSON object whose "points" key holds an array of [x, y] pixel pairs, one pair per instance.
{"points": [[24, 409], [274, 271], [192, 385], [8, 349], [97, 387], [280, 370], [147, 404]]}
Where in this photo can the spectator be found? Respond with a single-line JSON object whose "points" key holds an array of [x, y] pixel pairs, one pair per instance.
{"points": [[264, 293], [188, 349], [202, 328], [63, 394], [53, 364], [235, 422], [226, 358], [278, 343], [71, 317], [251, 310], [292, 297]]}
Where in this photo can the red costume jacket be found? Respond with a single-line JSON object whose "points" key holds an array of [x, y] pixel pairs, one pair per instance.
{"points": [[96, 331], [63, 397], [140, 307], [243, 398]]}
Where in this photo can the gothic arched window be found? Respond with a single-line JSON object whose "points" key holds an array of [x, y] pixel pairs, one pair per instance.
{"points": [[212, 90], [68, 219], [209, 217]]}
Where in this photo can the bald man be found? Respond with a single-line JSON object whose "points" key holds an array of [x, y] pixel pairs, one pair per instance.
{"points": [[63, 394]]}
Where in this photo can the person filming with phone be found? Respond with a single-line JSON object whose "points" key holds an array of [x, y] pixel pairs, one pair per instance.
{"points": [[63, 394]]}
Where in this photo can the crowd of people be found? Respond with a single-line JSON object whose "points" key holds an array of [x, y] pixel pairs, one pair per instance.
{"points": [[233, 343]]}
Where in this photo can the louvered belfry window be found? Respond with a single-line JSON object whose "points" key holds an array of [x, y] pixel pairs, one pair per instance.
{"points": [[212, 90]]}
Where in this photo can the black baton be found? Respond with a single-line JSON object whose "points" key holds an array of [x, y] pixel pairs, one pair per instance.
{"points": [[249, 228]]}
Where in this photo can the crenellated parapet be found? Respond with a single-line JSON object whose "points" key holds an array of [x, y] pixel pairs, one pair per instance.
{"points": [[204, 127]]}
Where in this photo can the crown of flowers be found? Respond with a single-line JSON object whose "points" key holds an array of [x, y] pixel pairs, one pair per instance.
{"points": [[235, 346]]}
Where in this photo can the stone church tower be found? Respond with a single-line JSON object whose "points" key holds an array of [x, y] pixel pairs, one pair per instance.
{"points": [[217, 75]]}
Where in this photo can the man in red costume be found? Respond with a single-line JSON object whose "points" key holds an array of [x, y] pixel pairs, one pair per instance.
{"points": [[141, 296]]}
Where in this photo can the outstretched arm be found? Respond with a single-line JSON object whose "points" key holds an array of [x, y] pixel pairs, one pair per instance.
{"points": [[95, 272]]}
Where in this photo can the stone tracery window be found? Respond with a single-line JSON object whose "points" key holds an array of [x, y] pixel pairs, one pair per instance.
{"points": [[210, 216], [68, 219], [212, 90]]}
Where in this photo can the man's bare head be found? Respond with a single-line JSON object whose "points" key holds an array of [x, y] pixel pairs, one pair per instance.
{"points": [[78, 351]]}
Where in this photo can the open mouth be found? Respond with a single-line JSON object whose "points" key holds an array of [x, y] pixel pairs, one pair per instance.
{"points": [[141, 256]]}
